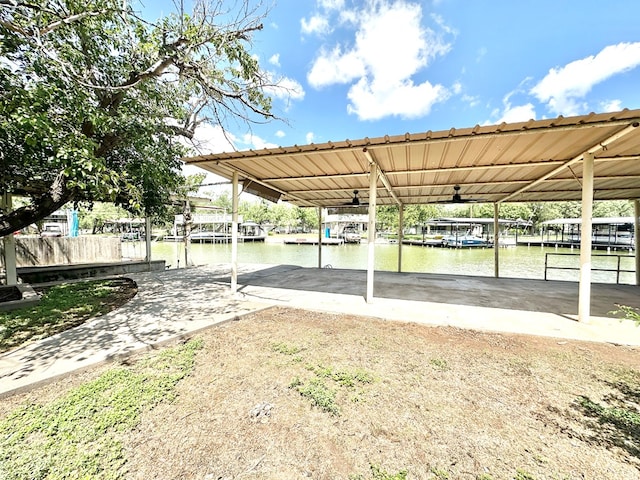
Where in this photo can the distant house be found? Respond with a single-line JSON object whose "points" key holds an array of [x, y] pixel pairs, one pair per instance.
{"points": [[336, 223]]}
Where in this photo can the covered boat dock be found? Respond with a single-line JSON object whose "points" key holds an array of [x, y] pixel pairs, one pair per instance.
{"points": [[586, 158], [609, 233]]}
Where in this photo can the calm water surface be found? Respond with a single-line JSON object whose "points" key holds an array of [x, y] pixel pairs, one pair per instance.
{"points": [[517, 262]]}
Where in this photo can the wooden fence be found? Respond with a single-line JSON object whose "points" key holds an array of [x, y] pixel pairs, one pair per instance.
{"points": [[33, 251]]}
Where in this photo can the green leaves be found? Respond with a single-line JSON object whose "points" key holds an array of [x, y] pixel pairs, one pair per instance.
{"points": [[98, 95]]}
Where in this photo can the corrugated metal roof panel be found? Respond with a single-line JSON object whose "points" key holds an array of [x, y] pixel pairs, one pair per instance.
{"points": [[493, 162]]}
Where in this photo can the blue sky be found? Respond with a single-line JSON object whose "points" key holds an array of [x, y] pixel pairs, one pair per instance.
{"points": [[359, 68]]}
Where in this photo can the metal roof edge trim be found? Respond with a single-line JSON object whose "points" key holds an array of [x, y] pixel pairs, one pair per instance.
{"points": [[503, 130]]}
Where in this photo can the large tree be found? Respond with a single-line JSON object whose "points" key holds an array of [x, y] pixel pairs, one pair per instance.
{"points": [[93, 98]]}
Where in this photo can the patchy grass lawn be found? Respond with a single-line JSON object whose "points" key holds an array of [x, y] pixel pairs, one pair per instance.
{"points": [[289, 394], [62, 307], [80, 434]]}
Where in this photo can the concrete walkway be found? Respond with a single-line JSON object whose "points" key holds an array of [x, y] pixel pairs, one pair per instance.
{"points": [[177, 303], [169, 305]]}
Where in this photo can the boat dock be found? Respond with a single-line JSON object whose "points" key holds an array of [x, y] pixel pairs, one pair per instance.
{"points": [[576, 245], [313, 241]]}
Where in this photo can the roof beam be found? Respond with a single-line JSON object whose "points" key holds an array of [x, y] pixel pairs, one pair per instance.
{"points": [[447, 169], [231, 170], [398, 188], [599, 146], [420, 170]]}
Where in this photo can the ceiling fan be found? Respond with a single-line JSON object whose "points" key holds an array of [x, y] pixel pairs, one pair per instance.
{"points": [[354, 204], [457, 198], [355, 201]]}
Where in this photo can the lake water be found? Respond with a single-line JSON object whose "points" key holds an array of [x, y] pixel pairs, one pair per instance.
{"points": [[517, 262]]}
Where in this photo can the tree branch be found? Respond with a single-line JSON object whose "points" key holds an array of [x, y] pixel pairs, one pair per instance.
{"points": [[45, 205]]}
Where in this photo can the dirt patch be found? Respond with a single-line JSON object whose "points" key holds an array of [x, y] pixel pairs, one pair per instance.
{"points": [[436, 402], [442, 400]]}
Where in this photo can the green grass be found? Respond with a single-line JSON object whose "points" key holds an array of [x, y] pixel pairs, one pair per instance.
{"points": [[285, 348], [344, 378], [319, 393], [60, 308], [626, 418], [615, 418], [326, 382], [523, 475], [439, 364], [79, 435], [628, 313], [323, 387], [377, 473]]}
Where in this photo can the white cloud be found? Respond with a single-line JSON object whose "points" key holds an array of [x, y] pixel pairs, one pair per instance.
{"points": [[284, 88], [319, 23], [336, 67], [316, 24], [611, 106], [390, 47], [293, 87], [310, 136], [275, 59], [280, 134], [470, 100], [208, 139], [256, 143], [520, 113], [405, 100], [211, 139], [332, 4], [562, 88]]}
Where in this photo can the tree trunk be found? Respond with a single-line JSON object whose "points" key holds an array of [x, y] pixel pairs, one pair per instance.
{"points": [[39, 209]]}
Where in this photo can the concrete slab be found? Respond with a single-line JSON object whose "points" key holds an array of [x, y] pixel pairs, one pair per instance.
{"points": [[535, 307]]}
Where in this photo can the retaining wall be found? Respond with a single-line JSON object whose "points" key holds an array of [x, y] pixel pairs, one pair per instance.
{"points": [[34, 251]]}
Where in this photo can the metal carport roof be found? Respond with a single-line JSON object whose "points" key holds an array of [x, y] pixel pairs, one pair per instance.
{"points": [[595, 156], [538, 160]]}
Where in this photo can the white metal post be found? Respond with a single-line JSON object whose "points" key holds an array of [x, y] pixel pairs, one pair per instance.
{"points": [[636, 209], [319, 237], [496, 240], [400, 230], [584, 295], [147, 238], [371, 233], [9, 244], [234, 232]]}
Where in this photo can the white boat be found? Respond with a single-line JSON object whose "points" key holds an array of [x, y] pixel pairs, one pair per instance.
{"points": [[464, 241]]}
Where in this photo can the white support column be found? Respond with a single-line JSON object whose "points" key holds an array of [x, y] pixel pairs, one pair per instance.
{"points": [[234, 232], [496, 240], [400, 230], [636, 209], [319, 237], [9, 244], [147, 238], [371, 233], [584, 295]]}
